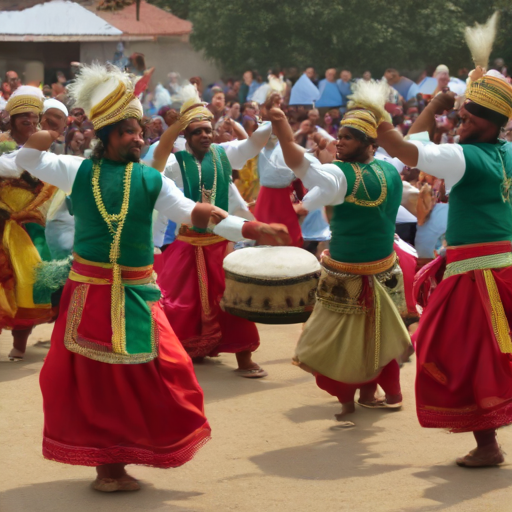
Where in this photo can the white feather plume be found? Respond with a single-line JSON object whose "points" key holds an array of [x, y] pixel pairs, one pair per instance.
{"points": [[480, 40], [92, 80], [189, 96], [371, 95]]}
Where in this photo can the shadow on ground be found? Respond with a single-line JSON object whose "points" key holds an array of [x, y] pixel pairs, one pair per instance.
{"points": [[18, 370], [220, 382], [349, 446], [77, 496], [452, 485]]}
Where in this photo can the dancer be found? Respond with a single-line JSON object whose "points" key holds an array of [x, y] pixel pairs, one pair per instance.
{"points": [[24, 201], [274, 198], [464, 370], [117, 386], [355, 334], [204, 171]]}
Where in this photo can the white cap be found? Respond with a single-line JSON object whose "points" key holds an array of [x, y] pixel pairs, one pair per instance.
{"points": [[53, 103]]}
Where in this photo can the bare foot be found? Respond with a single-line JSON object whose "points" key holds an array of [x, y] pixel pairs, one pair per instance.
{"points": [[346, 409], [113, 478], [482, 457]]}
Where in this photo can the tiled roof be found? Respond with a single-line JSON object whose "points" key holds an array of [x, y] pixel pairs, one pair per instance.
{"points": [[152, 21], [55, 18]]}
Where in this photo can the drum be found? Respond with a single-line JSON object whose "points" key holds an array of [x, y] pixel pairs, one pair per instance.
{"points": [[271, 285]]}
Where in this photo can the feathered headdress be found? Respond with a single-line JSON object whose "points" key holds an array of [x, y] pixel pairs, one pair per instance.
{"points": [[489, 90], [370, 96], [106, 94], [193, 109], [480, 40]]}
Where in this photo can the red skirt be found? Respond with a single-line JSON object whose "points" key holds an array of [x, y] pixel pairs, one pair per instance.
{"points": [[407, 263], [192, 283], [464, 380], [275, 206], [98, 413]]}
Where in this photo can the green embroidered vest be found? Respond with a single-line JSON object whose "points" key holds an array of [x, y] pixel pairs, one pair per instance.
{"points": [[216, 176], [92, 237], [479, 207], [362, 229]]}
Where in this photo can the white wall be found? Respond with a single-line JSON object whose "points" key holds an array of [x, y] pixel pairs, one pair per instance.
{"points": [[165, 54]]}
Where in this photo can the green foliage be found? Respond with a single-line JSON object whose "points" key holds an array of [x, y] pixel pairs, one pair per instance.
{"points": [[180, 8], [358, 34]]}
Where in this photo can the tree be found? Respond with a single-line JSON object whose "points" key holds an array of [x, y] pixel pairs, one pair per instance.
{"points": [[368, 34], [179, 8]]}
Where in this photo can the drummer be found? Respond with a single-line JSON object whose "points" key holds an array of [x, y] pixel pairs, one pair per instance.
{"points": [[355, 335]]}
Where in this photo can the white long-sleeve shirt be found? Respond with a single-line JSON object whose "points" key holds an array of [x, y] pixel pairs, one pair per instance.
{"points": [[444, 161], [61, 171], [237, 152], [326, 183]]}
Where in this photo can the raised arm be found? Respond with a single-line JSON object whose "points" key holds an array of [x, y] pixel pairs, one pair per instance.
{"points": [[393, 142], [164, 148], [326, 182], [239, 151]]}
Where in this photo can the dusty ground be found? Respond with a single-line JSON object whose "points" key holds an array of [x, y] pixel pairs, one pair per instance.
{"points": [[275, 447]]}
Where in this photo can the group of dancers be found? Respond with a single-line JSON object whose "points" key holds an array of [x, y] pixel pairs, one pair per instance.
{"points": [[118, 382]]}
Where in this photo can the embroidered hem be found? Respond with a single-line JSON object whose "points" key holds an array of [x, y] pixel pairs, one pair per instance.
{"points": [[161, 458], [469, 419]]}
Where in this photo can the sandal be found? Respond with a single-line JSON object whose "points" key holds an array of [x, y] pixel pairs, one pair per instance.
{"points": [[14, 357], [473, 461], [380, 403], [252, 373], [116, 484]]}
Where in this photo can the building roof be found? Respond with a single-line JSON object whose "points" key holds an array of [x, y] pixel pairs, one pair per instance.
{"points": [[153, 21], [55, 18]]}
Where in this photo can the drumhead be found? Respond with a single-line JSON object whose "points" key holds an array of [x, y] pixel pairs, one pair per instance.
{"points": [[271, 262]]}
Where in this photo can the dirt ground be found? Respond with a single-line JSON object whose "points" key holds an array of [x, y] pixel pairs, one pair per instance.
{"points": [[275, 447]]}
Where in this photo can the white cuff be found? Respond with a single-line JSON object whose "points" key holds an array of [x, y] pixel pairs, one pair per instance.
{"points": [[230, 228]]}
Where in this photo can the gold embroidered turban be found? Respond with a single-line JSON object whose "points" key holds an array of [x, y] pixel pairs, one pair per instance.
{"points": [[24, 99], [492, 93], [107, 95], [362, 120]]}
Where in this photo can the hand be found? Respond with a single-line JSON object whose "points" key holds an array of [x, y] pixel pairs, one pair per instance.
{"points": [[205, 214], [442, 102], [266, 234], [300, 210], [171, 116], [276, 115], [476, 73]]}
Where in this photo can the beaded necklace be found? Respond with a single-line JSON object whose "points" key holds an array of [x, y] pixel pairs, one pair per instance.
{"points": [[206, 196], [115, 223]]}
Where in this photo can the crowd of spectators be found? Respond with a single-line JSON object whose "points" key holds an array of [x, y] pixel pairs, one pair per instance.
{"points": [[235, 104]]}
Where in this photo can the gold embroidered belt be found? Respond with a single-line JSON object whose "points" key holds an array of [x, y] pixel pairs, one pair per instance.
{"points": [[361, 269], [192, 237], [101, 273]]}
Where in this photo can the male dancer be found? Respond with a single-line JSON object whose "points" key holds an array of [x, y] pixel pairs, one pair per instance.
{"points": [[464, 375], [355, 334], [117, 386], [204, 171]]}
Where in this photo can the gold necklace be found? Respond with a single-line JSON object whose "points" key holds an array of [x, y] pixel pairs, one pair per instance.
{"points": [[506, 184], [115, 223], [205, 195], [359, 178]]}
